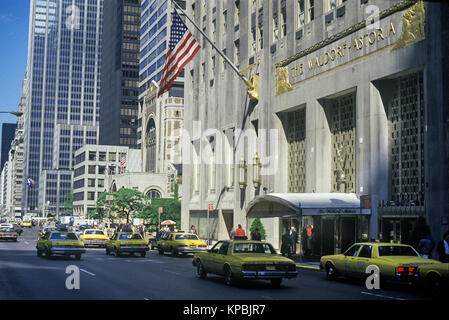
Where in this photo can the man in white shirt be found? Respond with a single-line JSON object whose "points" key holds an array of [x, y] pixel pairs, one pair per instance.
{"points": [[443, 248]]}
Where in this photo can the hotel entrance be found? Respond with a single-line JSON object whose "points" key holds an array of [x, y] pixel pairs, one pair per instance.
{"points": [[327, 223], [323, 235]]}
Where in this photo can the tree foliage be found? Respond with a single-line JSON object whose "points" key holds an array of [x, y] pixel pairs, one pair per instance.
{"points": [[257, 224], [68, 205]]}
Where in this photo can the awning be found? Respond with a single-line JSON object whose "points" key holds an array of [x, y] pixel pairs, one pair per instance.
{"points": [[293, 204]]}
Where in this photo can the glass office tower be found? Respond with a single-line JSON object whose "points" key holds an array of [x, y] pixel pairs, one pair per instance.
{"points": [[155, 25], [62, 98]]}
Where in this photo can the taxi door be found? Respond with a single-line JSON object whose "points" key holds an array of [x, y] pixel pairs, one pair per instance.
{"points": [[363, 260], [211, 263], [221, 258], [351, 260]]}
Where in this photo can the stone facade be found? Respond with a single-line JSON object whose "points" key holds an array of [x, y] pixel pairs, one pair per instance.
{"points": [[368, 103]]}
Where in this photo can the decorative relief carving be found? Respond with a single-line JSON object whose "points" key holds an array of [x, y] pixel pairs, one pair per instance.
{"points": [[282, 82], [413, 26]]}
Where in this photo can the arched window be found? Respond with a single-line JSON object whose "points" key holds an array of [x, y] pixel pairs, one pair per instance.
{"points": [[153, 194], [150, 145]]}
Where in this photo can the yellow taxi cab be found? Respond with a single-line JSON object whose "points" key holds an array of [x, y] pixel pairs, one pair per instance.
{"points": [[396, 262], [181, 242], [126, 242], [27, 224], [60, 243], [435, 278], [93, 237]]}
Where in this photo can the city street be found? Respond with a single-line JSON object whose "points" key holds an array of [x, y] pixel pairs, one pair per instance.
{"points": [[23, 275]]}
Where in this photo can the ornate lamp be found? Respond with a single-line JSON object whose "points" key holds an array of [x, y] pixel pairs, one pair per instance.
{"points": [[242, 173], [257, 179]]}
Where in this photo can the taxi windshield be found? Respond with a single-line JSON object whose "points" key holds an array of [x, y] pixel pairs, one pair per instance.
{"points": [[397, 251], [186, 237], [253, 248], [63, 236], [130, 236], [94, 232]]}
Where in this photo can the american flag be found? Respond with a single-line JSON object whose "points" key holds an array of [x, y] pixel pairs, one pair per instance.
{"points": [[181, 49], [30, 182], [122, 163]]}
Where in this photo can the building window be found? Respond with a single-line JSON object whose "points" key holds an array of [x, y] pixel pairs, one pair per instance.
{"points": [[91, 196], [153, 194], [301, 13], [92, 156], [92, 169], [91, 183], [112, 156], [311, 11], [237, 51], [236, 12], [275, 26]]}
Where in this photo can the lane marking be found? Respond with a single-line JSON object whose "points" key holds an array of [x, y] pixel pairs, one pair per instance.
{"points": [[381, 295], [89, 273], [172, 272], [146, 299]]}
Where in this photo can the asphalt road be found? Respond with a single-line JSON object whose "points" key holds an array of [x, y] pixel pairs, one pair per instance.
{"points": [[23, 275]]}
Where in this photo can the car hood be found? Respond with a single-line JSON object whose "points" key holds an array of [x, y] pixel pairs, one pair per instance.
{"points": [[262, 258], [407, 261]]}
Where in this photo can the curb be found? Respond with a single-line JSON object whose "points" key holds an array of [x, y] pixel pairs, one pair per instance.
{"points": [[308, 267]]}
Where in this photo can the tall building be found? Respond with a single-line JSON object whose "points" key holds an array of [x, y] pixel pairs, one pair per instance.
{"points": [[8, 131], [155, 25], [94, 168], [346, 137], [120, 73], [63, 94]]}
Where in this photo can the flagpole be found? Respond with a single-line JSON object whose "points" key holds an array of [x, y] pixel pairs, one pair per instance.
{"points": [[248, 84]]}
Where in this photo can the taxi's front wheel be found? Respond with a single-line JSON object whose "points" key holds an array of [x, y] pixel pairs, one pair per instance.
{"points": [[200, 272], [331, 272]]}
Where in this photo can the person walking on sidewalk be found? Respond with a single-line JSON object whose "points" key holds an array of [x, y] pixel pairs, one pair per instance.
{"points": [[240, 233], [443, 248], [285, 246], [293, 239]]}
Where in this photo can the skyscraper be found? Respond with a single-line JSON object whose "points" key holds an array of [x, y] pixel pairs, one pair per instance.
{"points": [[154, 36], [8, 130], [63, 94], [120, 73]]}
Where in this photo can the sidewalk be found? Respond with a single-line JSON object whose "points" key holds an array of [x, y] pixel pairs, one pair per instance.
{"points": [[310, 263]]}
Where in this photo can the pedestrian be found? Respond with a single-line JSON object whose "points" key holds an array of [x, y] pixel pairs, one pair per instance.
{"points": [[232, 234], [193, 230], [175, 229], [256, 235], [425, 247], [443, 248], [240, 233], [293, 239], [141, 231], [285, 246]]}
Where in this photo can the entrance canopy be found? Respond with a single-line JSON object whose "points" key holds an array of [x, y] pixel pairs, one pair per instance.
{"points": [[294, 204]]}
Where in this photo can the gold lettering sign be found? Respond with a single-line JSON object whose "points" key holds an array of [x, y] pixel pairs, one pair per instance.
{"points": [[343, 48]]}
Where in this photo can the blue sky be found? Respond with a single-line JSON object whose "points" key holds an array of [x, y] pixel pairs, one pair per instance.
{"points": [[14, 16]]}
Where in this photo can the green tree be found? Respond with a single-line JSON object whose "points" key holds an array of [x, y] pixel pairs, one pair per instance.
{"points": [[68, 205], [171, 211], [127, 203], [257, 224]]}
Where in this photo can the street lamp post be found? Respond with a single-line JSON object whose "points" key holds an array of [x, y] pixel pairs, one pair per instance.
{"points": [[16, 113]]}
